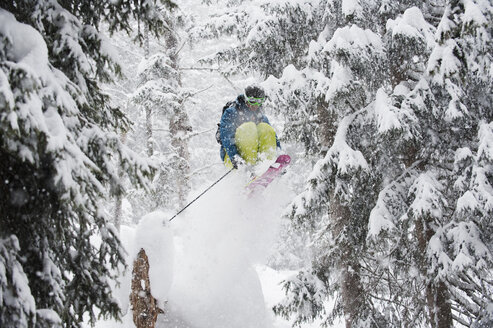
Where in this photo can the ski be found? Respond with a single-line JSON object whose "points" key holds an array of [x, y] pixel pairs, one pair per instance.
{"points": [[268, 176]]}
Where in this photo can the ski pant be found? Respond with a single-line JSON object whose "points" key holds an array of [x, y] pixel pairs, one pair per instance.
{"points": [[254, 142]]}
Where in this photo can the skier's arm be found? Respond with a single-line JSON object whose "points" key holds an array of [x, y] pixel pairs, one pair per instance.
{"points": [[227, 132]]}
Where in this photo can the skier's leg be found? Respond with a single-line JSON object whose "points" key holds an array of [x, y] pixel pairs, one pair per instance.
{"points": [[267, 140], [246, 139]]}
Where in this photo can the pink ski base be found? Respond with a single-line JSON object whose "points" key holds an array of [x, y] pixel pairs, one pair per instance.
{"points": [[272, 172]]}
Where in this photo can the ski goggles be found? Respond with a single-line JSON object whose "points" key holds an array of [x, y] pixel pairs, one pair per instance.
{"points": [[255, 101]]}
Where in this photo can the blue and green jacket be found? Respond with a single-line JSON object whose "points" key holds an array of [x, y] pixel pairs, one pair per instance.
{"points": [[234, 116]]}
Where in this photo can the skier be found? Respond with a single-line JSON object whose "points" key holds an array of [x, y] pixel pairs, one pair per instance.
{"points": [[245, 132]]}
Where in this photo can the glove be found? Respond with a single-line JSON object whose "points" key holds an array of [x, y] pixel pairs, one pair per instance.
{"points": [[234, 162]]}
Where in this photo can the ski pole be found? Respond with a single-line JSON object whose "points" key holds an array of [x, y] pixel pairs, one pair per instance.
{"points": [[212, 185]]}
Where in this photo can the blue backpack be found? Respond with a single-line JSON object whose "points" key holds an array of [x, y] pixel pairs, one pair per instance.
{"points": [[218, 132]]}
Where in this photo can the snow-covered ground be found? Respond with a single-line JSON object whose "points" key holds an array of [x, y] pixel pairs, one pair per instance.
{"points": [[208, 266]]}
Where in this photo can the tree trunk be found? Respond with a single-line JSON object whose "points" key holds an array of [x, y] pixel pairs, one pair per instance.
{"points": [[149, 139], [327, 126], [148, 110], [144, 306], [352, 293], [119, 197], [118, 212], [437, 295], [179, 128], [147, 49], [351, 289]]}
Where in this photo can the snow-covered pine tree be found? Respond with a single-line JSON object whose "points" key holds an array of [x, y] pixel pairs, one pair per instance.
{"points": [[460, 67], [390, 144], [268, 37], [128, 54], [167, 125], [179, 122], [332, 207], [57, 142], [396, 254], [422, 136], [422, 215], [301, 93], [149, 99]]}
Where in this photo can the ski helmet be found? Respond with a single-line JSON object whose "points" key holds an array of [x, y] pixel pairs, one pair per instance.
{"points": [[254, 91]]}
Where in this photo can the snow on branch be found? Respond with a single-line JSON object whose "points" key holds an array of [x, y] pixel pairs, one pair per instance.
{"points": [[391, 204], [354, 41], [385, 113], [412, 25], [428, 196], [343, 157]]}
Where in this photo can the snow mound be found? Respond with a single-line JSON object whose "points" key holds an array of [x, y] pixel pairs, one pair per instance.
{"points": [[157, 240]]}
